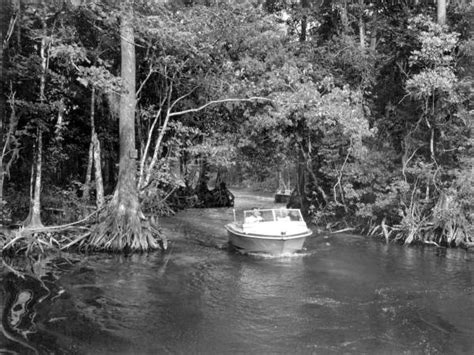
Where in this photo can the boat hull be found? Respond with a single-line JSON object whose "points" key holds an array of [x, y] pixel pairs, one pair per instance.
{"points": [[277, 244]]}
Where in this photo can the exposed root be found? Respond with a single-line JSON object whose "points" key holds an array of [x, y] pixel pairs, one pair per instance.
{"points": [[24, 241], [79, 240], [125, 231], [430, 242], [386, 233], [118, 231], [64, 227], [348, 229]]}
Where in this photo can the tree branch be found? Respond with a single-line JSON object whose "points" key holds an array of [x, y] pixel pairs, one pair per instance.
{"points": [[339, 178], [148, 142], [11, 27], [217, 102], [180, 98], [150, 71]]}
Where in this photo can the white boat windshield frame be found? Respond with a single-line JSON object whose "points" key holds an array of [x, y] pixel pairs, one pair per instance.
{"points": [[273, 215]]}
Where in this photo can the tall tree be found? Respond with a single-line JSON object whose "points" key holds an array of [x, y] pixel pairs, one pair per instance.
{"points": [[127, 192], [441, 12], [4, 29], [124, 226], [34, 216]]}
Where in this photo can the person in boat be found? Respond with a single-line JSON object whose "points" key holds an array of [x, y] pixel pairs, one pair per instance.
{"points": [[294, 216], [283, 215], [256, 216]]}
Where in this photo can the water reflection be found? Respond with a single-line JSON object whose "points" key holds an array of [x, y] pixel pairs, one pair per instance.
{"points": [[43, 314], [24, 295]]}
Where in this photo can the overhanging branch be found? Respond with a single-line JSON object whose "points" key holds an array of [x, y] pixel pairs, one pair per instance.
{"points": [[217, 102]]}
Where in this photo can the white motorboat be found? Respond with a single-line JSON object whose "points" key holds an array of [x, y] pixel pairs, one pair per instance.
{"points": [[271, 231], [282, 196]]}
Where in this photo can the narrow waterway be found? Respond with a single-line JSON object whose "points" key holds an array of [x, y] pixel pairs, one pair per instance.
{"points": [[342, 294]]}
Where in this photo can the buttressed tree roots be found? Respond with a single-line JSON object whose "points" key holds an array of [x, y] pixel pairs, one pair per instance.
{"points": [[125, 229]]}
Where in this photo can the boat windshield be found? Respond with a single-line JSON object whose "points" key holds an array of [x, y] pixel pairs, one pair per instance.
{"points": [[272, 215]]}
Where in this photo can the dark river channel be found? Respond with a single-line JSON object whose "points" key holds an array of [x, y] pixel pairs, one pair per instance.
{"points": [[344, 294]]}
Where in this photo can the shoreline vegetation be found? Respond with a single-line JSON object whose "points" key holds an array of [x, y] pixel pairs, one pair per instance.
{"points": [[114, 114], [15, 240]]}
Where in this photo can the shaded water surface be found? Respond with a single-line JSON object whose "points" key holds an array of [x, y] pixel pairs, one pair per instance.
{"points": [[343, 294]]}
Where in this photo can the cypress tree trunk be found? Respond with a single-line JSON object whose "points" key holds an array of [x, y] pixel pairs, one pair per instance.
{"points": [[441, 12], [344, 17], [304, 23], [304, 20], [86, 194], [361, 25], [373, 33], [126, 188], [298, 195], [94, 161], [99, 184], [4, 20], [34, 215], [2, 179], [34, 219], [90, 161]]}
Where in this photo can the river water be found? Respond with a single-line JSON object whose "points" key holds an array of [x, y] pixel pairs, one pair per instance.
{"points": [[342, 294]]}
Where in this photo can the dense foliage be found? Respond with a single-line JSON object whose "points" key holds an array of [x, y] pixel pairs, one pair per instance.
{"points": [[364, 105]]}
